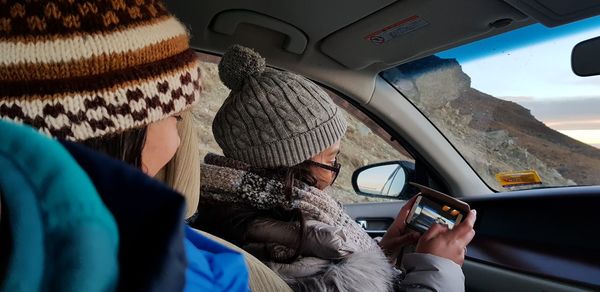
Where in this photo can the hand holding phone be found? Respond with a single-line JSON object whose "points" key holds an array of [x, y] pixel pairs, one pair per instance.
{"points": [[398, 236], [453, 231], [431, 207], [450, 244]]}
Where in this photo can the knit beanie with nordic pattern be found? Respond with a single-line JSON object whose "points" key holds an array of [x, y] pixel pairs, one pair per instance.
{"points": [[272, 118], [85, 69]]}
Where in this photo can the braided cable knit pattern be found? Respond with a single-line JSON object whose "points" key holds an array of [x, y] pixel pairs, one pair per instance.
{"points": [[273, 118]]}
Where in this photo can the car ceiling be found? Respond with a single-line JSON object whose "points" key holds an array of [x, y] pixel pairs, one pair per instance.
{"points": [[339, 42]]}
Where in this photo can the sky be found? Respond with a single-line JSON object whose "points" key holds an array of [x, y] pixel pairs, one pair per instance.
{"points": [[539, 76]]}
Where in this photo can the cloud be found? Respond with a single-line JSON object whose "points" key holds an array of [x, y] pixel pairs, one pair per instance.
{"points": [[582, 124], [519, 99], [567, 114]]}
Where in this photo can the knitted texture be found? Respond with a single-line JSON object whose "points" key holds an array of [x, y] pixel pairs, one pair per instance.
{"points": [[84, 69], [225, 180], [272, 118], [238, 64], [227, 183]]}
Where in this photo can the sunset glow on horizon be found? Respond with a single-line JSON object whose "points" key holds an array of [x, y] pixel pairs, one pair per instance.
{"points": [[539, 77], [591, 137]]}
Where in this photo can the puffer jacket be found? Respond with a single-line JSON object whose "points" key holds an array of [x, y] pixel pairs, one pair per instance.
{"points": [[332, 253]]}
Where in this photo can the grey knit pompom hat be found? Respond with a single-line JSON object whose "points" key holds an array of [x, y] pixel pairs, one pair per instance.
{"points": [[272, 118]]}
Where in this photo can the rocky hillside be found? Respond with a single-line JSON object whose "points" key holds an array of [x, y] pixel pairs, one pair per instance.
{"points": [[494, 135]]}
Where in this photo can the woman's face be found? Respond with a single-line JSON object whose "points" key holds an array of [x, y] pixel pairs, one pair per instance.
{"points": [[328, 157], [162, 141]]}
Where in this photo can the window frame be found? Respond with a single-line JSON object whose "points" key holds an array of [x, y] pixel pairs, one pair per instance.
{"points": [[426, 173], [423, 167]]}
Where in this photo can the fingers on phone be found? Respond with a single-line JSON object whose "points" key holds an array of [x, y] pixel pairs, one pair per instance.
{"points": [[403, 215], [408, 205], [465, 230], [469, 221], [434, 230], [471, 218], [412, 200], [404, 211]]}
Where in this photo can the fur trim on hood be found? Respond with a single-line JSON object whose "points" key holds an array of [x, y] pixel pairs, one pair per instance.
{"points": [[361, 271]]}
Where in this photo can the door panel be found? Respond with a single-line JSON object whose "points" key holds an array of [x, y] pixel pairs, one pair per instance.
{"points": [[534, 240], [375, 218], [482, 277], [551, 233]]}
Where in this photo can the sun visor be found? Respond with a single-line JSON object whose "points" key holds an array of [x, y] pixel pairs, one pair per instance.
{"points": [[557, 12], [412, 28], [270, 26]]}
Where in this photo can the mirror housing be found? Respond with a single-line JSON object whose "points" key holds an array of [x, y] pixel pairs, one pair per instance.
{"points": [[385, 180], [585, 60]]}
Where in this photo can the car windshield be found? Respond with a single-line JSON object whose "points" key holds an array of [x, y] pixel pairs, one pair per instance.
{"points": [[512, 106]]}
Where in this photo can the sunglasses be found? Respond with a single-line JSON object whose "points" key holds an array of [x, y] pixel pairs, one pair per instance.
{"points": [[335, 168]]}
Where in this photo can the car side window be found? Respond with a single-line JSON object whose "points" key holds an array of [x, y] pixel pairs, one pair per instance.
{"points": [[365, 142]]}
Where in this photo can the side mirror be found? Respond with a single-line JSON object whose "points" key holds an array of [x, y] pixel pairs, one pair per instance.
{"points": [[385, 180], [585, 60]]}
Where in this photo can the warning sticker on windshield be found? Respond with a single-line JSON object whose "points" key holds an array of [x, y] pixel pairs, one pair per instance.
{"points": [[396, 30], [518, 178]]}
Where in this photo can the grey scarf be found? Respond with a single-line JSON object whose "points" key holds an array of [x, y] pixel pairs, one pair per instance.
{"points": [[360, 265]]}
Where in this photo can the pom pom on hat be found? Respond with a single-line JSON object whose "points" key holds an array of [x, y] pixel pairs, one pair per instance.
{"points": [[238, 64]]}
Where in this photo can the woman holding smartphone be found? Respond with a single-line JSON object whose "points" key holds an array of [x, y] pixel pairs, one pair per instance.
{"points": [[280, 134]]}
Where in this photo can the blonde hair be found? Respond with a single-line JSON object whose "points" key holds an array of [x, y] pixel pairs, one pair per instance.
{"points": [[182, 173]]}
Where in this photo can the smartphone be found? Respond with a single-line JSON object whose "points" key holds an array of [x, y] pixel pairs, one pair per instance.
{"points": [[432, 207]]}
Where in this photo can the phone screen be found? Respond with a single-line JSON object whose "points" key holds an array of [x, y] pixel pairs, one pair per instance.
{"points": [[425, 212]]}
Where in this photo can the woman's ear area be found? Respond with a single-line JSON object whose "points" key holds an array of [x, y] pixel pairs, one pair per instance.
{"points": [[162, 141]]}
